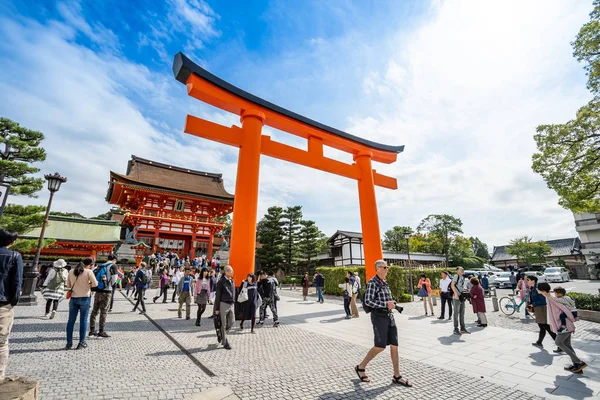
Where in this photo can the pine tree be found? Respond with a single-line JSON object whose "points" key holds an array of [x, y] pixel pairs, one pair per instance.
{"points": [[21, 148], [22, 219], [310, 242], [269, 233], [292, 217]]}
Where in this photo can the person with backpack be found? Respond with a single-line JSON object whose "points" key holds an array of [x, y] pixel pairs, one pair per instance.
{"points": [[275, 283], [185, 289], [79, 284], [319, 281], [267, 295], [380, 304], [117, 282], [130, 278], [457, 287], [141, 283], [106, 275], [11, 281], [164, 286], [53, 288]]}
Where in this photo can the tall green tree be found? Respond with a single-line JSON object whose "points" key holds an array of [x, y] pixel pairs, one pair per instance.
{"points": [[106, 216], [270, 234], [67, 214], [225, 219], [310, 242], [460, 248], [444, 227], [21, 148], [568, 156], [393, 239], [528, 251], [586, 48], [22, 219], [292, 218], [479, 248]]}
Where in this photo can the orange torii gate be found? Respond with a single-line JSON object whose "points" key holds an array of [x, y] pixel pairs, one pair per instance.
{"points": [[255, 112]]}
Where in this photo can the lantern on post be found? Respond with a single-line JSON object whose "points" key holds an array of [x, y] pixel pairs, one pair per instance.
{"points": [[140, 249]]}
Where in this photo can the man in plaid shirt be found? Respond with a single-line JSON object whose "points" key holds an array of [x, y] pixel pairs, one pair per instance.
{"points": [[378, 296]]}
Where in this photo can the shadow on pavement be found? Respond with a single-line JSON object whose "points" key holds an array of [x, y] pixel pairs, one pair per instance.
{"points": [[582, 392], [450, 340], [541, 358], [359, 392], [25, 351]]}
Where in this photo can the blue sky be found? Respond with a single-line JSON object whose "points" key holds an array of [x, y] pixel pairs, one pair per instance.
{"points": [[462, 84]]}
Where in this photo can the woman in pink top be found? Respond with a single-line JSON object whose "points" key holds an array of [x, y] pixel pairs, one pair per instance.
{"points": [[425, 293], [523, 289], [563, 339]]}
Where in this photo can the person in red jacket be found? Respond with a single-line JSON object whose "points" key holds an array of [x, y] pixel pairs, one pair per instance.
{"points": [[478, 302]]}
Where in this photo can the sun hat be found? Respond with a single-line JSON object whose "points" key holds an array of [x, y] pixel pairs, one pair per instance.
{"points": [[60, 263]]}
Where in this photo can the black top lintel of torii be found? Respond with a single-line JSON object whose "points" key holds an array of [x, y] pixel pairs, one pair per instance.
{"points": [[183, 67]]}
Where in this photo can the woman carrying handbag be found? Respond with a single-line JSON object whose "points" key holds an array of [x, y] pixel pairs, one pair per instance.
{"points": [[248, 298], [202, 293]]}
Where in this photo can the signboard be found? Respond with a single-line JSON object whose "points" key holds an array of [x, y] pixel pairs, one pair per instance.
{"points": [[4, 188]]}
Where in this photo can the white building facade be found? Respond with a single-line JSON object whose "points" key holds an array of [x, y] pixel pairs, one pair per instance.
{"points": [[588, 227]]}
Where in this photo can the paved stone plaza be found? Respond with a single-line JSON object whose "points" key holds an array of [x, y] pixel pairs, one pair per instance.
{"points": [[311, 356]]}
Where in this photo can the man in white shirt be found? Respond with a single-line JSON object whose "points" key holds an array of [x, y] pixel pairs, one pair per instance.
{"points": [[178, 275], [446, 295]]}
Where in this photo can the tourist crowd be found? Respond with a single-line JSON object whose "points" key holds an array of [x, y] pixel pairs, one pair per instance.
{"points": [[204, 282]]}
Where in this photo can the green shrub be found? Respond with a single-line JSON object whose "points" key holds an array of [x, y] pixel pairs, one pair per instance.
{"points": [[397, 278], [585, 301]]}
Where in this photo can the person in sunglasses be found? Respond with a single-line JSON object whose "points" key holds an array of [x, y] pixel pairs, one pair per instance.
{"points": [[379, 301]]}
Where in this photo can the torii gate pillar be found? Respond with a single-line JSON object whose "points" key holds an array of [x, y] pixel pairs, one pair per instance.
{"points": [[245, 203], [368, 214]]}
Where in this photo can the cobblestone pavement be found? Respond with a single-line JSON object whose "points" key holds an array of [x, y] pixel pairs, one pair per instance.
{"points": [[311, 356], [586, 330]]}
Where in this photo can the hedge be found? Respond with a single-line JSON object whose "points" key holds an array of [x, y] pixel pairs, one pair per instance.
{"points": [[397, 278], [586, 301]]}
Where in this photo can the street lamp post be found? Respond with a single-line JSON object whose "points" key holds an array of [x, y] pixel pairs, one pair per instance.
{"points": [[31, 275], [412, 291]]}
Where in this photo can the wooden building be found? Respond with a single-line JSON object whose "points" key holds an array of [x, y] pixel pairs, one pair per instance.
{"points": [[170, 208], [346, 249], [568, 250], [78, 237]]}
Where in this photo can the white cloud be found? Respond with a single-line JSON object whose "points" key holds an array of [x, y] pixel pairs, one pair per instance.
{"points": [[464, 91]]}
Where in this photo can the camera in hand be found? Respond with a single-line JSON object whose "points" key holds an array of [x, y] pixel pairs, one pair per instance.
{"points": [[399, 308]]}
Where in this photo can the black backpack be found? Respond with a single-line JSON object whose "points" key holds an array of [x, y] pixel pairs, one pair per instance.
{"points": [[364, 304]]}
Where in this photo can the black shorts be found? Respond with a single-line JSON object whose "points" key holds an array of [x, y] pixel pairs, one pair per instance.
{"points": [[384, 329]]}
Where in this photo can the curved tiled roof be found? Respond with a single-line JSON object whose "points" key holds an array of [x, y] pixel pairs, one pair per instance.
{"points": [[560, 247], [183, 67], [144, 172]]}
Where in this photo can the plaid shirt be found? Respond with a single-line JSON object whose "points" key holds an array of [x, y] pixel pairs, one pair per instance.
{"points": [[378, 293]]}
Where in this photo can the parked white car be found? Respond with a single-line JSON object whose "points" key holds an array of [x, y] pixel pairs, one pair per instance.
{"points": [[557, 274], [502, 280], [541, 277], [492, 268]]}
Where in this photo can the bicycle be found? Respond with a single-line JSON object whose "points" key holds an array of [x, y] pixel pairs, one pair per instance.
{"points": [[508, 305]]}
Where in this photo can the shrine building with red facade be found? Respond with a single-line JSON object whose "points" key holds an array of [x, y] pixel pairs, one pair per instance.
{"points": [[170, 208]]}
